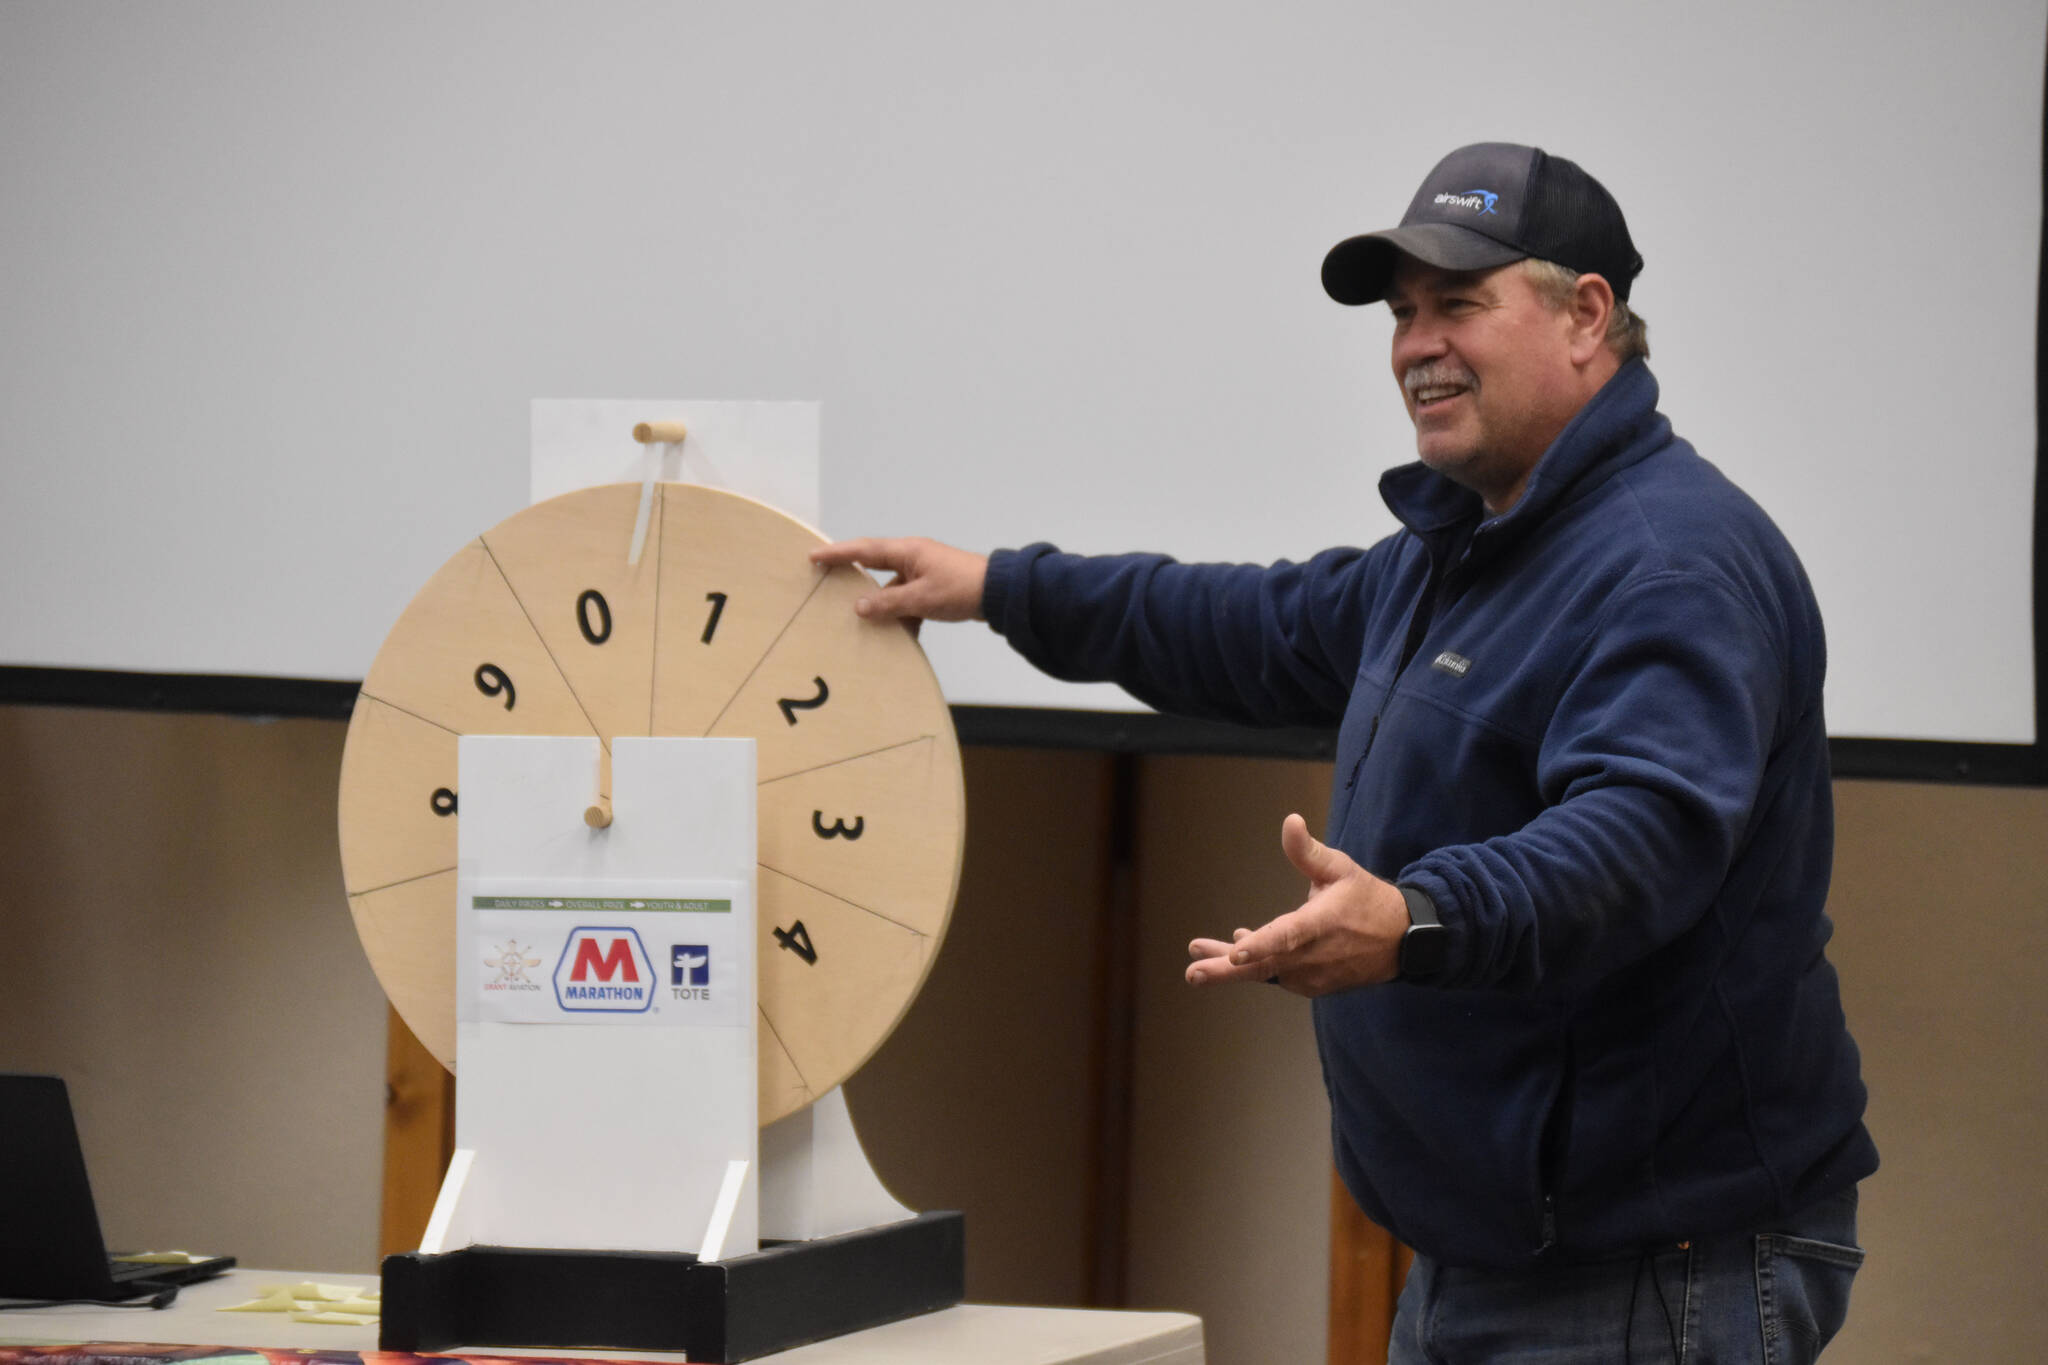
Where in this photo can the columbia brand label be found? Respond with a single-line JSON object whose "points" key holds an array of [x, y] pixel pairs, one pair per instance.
{"points": [[1482, 200], [604, 969], [1457, 665]]}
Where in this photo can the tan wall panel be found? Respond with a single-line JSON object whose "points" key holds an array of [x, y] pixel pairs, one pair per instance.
{"points": [[1230, 1172], [1940, 904], [179, 949], [980, 1100]]}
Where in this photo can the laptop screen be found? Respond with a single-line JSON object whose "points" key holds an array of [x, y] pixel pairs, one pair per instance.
{"points": [[50, 1244]]}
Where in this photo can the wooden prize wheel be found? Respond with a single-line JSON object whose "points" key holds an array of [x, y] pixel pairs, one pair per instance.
{"points": [[543, 625]]}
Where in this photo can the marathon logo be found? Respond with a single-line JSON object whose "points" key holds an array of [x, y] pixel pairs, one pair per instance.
{"points": [[604, 970]]}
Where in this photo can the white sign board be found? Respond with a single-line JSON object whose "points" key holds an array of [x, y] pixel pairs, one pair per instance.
{"points": [[605, 988]]}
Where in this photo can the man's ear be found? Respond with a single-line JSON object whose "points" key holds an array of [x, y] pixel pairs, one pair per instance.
{"points": [[1592, 304]]}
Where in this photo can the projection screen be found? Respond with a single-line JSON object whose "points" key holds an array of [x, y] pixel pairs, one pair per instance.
{"points": [[281, 282]]}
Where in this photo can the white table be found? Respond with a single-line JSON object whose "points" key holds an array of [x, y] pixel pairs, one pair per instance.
{"points": [[982, 1334]]}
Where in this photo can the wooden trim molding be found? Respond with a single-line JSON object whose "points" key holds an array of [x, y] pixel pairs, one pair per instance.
{"points": [[1367, 1269], [419, 1136]]}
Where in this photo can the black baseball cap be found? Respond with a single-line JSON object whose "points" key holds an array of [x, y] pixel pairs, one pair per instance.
{"points": [[1488, 204]]}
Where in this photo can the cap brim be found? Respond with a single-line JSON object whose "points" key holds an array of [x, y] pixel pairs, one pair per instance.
{"points": [[1359, 269]]}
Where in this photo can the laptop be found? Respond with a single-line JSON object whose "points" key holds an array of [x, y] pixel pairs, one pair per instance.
{"points": [[50, 1245]]}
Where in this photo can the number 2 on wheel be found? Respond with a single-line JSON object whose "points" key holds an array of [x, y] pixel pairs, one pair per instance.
{"points": [[791, 705]]}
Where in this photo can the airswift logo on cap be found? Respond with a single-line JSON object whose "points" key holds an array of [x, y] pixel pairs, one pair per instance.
{"points": [[1483, 200]]}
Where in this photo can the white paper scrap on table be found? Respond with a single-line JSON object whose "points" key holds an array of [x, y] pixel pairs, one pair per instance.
{"points": [[766, 451]]}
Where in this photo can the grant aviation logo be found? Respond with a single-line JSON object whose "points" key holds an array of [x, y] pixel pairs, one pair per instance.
{"points": [[689, 971], [1483, 200], [510, 961], [604, 970]]}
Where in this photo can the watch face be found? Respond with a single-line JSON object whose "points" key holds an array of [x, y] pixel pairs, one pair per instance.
{"points": [[722, 628], [1424, 949]]}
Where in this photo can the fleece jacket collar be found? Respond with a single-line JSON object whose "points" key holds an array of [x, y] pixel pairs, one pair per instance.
{"points": [[1617, 427]]}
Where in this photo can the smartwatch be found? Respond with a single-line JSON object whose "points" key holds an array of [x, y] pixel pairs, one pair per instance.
{"points": [[1427, 944]]}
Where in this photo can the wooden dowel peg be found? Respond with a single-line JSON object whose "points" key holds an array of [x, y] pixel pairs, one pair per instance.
{"points": [[646, 433], [598, 814]]}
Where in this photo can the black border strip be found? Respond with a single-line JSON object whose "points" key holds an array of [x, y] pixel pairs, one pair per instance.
{"points": [[1921, 760], [1013, 727], [219, 693], [1132, 732], [2039, 765]]}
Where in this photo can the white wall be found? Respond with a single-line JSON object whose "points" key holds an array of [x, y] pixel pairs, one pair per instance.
{"points": [[281, 280]]}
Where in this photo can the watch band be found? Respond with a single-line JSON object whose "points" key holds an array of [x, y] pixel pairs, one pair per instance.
{"points": [[1425, 947]]}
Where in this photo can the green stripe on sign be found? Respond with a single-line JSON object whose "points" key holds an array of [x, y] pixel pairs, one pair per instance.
{"points": [[605, 904]]}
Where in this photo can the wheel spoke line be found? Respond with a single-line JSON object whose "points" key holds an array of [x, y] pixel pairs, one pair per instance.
{"points": [[777, 1035], [403, 711], [765, 653], [549, 651], [851, 758], [866, 910], [403, 881]]}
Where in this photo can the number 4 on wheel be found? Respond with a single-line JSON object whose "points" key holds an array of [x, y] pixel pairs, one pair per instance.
{"points": [[798, 940]]}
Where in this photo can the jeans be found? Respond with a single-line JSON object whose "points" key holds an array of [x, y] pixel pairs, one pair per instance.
{"points": [[1774, 1297]]}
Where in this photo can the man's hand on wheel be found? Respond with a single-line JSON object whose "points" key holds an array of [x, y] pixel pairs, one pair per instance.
{"points": [[933, 582]]}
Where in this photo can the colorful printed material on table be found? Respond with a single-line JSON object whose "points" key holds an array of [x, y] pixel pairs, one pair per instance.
{"points": [[340, 1305], [143, 1353]]}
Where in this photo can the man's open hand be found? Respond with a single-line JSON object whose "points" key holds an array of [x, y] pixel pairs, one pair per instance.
{"points": [[933, 582], [1347, 933]]}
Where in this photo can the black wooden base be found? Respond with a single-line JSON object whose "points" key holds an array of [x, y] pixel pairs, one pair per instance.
{"points": [[784, 1295]]}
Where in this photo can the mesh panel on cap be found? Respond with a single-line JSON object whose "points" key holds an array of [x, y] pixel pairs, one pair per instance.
{"points": [[1575, 222]]}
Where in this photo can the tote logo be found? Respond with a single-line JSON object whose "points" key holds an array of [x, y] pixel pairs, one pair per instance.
{"points": [[604, 970], [689, 971], [689, 965]]}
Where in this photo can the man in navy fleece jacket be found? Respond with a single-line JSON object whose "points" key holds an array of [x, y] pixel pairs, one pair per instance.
{"points": [[1565, 938]]}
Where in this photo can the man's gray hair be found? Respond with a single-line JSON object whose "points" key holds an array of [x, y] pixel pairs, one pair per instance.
{"points": [[1628, 336]]}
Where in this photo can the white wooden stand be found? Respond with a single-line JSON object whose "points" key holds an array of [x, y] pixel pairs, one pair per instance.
{"points": [[816, 1180]]}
